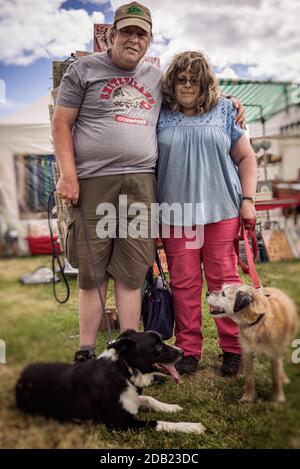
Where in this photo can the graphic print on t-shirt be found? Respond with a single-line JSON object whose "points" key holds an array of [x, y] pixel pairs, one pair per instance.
{"points": [[128, 98]]}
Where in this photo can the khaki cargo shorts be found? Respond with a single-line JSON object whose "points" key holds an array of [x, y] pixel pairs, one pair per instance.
{"points": [[125, 258]]}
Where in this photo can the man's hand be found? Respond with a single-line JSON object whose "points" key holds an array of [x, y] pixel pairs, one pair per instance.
{"points": [[68, 189], [241, 115], [247, 210]]}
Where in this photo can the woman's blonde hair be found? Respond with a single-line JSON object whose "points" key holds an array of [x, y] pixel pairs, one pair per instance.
{"points": [[198, 66]]}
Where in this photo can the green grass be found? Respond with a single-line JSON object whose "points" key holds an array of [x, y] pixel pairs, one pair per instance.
{"points": [[36, 328]]}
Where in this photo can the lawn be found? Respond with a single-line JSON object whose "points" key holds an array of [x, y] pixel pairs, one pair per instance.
{"points": [[36, 328]]}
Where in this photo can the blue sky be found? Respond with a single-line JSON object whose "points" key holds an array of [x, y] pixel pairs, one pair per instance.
{"points": [[253, 39], [26, 83]]}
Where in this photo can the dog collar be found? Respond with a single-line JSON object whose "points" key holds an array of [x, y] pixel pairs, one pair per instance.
{"points": [[255, 322]]}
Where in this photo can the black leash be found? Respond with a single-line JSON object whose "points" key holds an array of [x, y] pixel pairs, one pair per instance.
{"points": [[55, 258]]}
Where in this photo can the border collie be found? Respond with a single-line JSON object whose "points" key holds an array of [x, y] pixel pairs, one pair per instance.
{"points": [[106, 389]]}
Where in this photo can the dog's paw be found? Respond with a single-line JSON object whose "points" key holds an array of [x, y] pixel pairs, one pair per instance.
{"points": [[191, 427], [247, 398], [183, 427], [148, 402], [172, 408]]}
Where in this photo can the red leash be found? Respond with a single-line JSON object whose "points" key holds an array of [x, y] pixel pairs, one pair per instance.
{"points": [[247, 230]]}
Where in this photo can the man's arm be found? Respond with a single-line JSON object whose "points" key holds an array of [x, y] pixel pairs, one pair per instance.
{"points": [[62, 124], [245, 159]]}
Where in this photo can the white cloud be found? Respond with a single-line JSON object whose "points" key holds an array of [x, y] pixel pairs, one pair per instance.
{"points": [[227, 72], [2, 91], [33, 29], [261, 33]]}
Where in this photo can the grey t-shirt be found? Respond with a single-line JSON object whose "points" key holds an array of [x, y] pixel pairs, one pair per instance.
{"points": [[115, 130]]}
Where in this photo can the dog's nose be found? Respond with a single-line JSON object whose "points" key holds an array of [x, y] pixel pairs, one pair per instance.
{"points": [[207, 294]]}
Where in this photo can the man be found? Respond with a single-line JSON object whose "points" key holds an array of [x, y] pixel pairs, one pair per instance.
{"points": [[104, 133], [112, 102]]}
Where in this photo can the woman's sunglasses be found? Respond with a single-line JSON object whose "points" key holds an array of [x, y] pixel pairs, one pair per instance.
{"points": [[183, 81]]}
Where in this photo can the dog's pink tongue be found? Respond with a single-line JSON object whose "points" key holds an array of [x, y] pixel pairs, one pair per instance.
{"points": [[172, 370]]}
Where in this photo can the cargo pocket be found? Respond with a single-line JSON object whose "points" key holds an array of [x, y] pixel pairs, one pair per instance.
{"points": [[71, 251]]}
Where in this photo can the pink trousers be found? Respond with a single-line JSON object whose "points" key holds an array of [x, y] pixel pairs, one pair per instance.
{"points": [[218, 260]]}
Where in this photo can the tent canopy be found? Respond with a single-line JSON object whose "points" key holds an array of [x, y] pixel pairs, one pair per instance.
{"points": [[36, 113], [27, 131], [262, 99]]}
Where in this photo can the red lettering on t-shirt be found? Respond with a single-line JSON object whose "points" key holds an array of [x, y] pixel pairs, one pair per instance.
{"points": [[115, 82], [107, 89], [123, 81], [145, 105], [130, 120]]}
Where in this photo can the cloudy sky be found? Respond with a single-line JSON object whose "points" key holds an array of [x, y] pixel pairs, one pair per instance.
{"points": [[253, 39]]}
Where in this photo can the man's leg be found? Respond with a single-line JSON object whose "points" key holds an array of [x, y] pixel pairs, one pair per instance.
{"points": [[90, 314], [132, 255], [128, 302]]}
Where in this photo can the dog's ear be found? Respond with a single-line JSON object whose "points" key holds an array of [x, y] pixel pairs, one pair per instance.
{"points": [[242, 299], [128, 333], [125, 342]]}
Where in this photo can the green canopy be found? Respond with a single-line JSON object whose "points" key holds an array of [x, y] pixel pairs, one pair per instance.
{"points": [[262, 99]]}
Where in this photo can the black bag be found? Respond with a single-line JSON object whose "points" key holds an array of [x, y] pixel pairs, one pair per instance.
{"points": [[157, 311]]}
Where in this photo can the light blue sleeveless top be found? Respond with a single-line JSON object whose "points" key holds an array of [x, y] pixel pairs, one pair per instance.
{"points": [[194, 165]]}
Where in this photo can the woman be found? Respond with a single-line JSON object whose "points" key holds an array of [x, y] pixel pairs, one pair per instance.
{"points": [[206, 162]]}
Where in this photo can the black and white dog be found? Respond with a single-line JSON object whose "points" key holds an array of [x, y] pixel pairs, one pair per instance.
{"points": [[105, 389]]}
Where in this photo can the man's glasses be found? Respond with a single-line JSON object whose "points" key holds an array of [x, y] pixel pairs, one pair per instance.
{"points": [[184, 80]]}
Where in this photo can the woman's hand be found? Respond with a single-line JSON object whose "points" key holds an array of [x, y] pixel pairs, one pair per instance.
{"points": [[241, 115], [247, 210]]}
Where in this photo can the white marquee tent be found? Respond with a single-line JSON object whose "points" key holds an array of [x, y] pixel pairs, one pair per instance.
{"points": [[27, 131]]}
